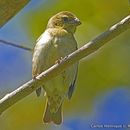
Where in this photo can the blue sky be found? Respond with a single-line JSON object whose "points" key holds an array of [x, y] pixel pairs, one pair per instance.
{"points": [[15, 67]]}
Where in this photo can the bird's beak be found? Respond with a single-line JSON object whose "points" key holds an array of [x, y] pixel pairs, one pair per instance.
{"points": [[77, 21]]}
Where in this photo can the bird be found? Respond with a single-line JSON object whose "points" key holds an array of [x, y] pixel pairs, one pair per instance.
{"points": [[55, 43]]}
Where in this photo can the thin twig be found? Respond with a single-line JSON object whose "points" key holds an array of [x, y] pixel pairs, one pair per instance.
{"points": [[15, 45], [89, 48]]}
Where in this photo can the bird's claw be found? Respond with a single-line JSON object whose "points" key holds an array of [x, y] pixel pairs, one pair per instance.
{"points": [[59, 60]]}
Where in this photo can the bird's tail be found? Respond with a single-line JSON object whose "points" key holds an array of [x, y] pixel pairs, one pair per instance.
{"points": [[52, 117]]}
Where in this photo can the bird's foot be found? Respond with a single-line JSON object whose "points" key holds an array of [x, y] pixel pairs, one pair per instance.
{"points": [[59, 60]]}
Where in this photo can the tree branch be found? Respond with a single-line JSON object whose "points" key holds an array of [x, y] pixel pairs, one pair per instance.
{"points": [[15, 45], [8, 8], [86, 50]]}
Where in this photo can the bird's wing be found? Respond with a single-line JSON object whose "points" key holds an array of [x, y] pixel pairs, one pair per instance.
{"points": [[72, 85], [40, 53]]}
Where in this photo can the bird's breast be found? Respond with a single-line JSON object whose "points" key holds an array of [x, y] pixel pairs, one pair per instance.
{"points": [[64, 45]]}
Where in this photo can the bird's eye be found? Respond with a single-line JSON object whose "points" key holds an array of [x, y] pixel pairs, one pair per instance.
{"points": [[65, 19]]}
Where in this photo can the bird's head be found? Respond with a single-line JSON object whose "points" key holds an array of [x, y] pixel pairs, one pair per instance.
{"points": [[65, 20]]}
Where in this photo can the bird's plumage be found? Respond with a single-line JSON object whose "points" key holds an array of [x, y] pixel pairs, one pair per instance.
{"points": [[56, 42]]}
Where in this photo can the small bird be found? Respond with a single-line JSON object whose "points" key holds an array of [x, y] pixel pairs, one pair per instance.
{"points": [[55, 43]]}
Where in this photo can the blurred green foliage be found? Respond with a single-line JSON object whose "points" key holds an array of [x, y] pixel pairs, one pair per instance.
{"points": [[98, 73]]}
